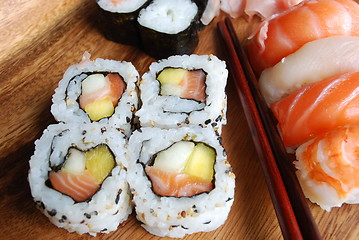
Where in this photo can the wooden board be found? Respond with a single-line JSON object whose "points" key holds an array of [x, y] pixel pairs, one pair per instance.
{"points": [[39, 40]]}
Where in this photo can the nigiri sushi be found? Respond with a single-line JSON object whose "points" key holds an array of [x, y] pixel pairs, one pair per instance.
{"points": [[285, 33], [313, 62], [328, 167], [318, 108]]}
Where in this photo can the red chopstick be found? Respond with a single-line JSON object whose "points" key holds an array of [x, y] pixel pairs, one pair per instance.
{"points": [[294, 216]]}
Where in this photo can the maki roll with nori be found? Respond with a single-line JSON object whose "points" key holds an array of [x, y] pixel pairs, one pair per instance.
{"points": [[118, 20], [169, 27], [77, 177], [180, 180], [186, 90], [97, 91]]}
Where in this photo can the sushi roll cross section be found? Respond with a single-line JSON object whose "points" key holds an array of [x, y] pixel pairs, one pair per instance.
{"points": [[99, 90], [184, 90], [78, 179], [180, 180]]}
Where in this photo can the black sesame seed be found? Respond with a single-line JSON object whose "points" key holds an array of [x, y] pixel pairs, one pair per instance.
{"points": [[207, 222], [84, 132], [87, 215], [104, 230], [207, 121], [118, 196], [103, 129], [220, 140], [219, 118], [184, 227], [229, 199], [224, 153], [52, 212], [128, 119], [214, 124], [228, 170]]}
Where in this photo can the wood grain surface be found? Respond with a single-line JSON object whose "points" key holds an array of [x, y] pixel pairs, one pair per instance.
{"points": [[39, 40]]}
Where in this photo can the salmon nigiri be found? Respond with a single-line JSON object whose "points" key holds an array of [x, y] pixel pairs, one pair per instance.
{"points": [[188, 84], [286, 32], [328, 167], [318, 108], [183, 170]]}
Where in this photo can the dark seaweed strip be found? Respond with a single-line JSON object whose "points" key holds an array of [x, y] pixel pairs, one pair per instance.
{"points": [[201, 4], [121, 27], [162, 45]]}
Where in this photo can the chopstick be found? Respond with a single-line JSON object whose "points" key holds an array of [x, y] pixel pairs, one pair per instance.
{"points": [[294, 216]]}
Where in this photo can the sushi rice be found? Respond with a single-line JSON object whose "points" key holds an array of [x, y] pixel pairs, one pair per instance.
{"points": [[172, 216], [108, 207]]}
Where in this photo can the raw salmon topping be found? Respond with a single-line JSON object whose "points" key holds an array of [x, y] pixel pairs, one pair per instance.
{"points": [[285, 33], [318, 108]]}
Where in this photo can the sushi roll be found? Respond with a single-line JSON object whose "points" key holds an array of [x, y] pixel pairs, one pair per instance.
{"points": [[169, 27], [180, 179], [77, 177], [97, 91], [118, 20], [186, 90], [328, 168]]}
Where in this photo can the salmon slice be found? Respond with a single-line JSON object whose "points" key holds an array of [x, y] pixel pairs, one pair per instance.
{"points": [[79, 187], [318, 108], [286, 32], [193, 86], [176, 184], [328, 167], [114, 89]]}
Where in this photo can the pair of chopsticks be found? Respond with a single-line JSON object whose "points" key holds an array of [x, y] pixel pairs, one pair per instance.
{"points": [[293, 213]]}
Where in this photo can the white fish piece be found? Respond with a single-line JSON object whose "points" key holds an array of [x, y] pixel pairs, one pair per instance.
{"points": [[313, 62]]}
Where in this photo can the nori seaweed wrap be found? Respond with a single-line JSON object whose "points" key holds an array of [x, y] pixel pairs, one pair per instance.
{"points": [[169, 27], [118, 22]]}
